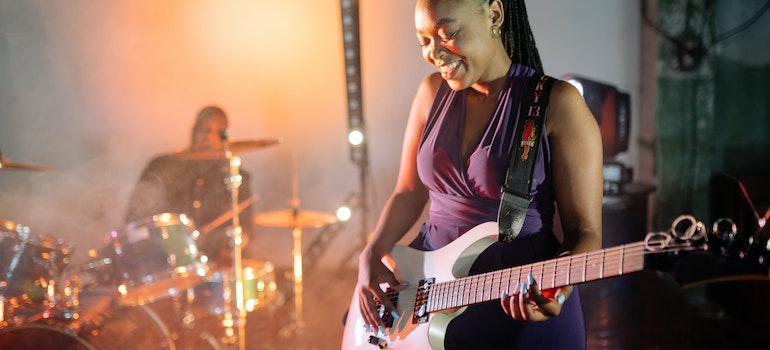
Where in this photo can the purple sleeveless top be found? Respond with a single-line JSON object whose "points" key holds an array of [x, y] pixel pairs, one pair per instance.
{"points": [[465, 189]]}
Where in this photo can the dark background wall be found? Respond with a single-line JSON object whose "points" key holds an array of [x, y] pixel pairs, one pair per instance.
{"points": [[713, 112]]}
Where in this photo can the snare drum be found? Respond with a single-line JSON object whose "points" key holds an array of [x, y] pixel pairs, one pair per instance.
{"points": [[259, 289], [30, 266], [155, 258]]}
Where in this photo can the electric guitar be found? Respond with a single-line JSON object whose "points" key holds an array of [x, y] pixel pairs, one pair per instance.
{"points": [[439, 288]]}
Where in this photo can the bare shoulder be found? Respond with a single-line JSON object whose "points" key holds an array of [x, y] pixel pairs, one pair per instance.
{"points": [[429, 85], [567, 111], [426, 92]]}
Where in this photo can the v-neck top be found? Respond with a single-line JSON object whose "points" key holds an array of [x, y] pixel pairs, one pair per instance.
{"points": [[464, 190]]}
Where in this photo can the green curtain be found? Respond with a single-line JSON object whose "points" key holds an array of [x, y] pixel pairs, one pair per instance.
{"points": [[713, 103]]}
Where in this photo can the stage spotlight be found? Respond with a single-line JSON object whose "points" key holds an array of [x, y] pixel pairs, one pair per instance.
{"points": [[352, 203], [356, 137], [344, 213]]}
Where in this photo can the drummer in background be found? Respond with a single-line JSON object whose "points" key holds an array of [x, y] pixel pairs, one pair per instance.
{"points": [[192, 182]]}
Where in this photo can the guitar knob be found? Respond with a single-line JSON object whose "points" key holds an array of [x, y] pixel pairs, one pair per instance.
{"points": [[685, 227], [420, 311]]}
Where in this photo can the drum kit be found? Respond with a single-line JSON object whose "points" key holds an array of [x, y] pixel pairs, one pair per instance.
{"points": [[148, 286]]}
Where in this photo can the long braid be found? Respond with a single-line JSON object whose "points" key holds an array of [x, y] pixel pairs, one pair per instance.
{"points": [[518, 39]]}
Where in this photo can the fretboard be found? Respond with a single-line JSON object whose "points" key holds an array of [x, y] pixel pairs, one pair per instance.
{"points": [[567, 270]]}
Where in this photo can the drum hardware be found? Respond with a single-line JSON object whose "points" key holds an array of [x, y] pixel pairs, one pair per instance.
{"points": [[206, 229], [31, 266], [295, 219], [259, 289], [236, 234]]}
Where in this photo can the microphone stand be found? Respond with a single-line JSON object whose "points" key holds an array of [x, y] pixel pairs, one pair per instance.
{"points": [[234, 182]]}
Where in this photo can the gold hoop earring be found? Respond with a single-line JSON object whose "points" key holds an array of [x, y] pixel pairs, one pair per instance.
{"points": [[496, 32]]}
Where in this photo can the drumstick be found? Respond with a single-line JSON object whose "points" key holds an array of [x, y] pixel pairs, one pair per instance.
{"points": [[205, 229]]}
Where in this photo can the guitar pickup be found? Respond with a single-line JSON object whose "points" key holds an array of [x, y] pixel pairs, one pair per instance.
{"points": [[386, 317], [420, 314]]}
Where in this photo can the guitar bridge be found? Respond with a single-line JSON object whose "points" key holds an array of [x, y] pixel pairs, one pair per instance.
{"points": [[387, 317], [420, 314]]}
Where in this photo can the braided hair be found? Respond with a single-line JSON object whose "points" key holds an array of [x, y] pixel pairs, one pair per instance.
{"points": [[517, 35]]}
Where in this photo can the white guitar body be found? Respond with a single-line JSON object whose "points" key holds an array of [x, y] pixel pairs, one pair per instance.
{"points": [[448, 263]]}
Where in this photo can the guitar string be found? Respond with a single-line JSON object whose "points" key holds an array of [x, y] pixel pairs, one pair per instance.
{"points": [[447, 295], [612, 262]]}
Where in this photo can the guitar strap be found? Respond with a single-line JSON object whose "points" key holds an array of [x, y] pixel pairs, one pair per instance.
{"points": [[517, 189]]}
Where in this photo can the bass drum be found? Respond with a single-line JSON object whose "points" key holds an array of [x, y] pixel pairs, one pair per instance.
{"points": [[134, 328]]}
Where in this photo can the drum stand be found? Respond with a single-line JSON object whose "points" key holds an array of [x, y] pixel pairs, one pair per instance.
{"points": [[234, 182], [295, 219]]}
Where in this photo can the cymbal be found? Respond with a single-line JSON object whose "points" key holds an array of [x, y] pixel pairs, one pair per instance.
{"points": [[6, 163], [292, 218], [235, 147]]}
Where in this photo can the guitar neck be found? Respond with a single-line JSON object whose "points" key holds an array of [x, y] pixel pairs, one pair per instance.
{"points": [[567, 270]]}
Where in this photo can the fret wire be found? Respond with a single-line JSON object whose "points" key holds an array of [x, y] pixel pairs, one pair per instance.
{"points": [[555, 273], [452, 293], [490, 285], [458, 297], [447, 299], [531, 267], [444, 295], [539, 281], [466, 290], [505, 279], [601, 266], [462, 284], [436, 296], [552, 268], [479, 289], [482, 285], [456, 292], [479, 294], [431, 298]]}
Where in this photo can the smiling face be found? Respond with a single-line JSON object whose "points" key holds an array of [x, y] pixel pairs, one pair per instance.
{"points": [[456, 38]]}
